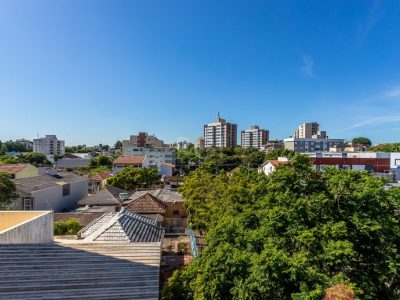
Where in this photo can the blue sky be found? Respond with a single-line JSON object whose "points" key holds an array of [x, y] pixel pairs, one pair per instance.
{"points": [[97, 71]]}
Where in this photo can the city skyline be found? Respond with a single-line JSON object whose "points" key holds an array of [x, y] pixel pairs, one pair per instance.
{"points": [[94, 72]]}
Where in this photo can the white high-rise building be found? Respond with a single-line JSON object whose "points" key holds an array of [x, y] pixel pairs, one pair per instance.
{"points": [[220, 134], [308, 131], [49, 145], [254, 137]]}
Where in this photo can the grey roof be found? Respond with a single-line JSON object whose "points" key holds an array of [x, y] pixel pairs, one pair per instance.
{"points": [[162, 194], [71, 270], [41, 182], [106, 196], [123, 227]]}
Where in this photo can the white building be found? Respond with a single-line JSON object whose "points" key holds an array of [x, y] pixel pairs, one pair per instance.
{"points": [[308, 131], [220, 134], [254, 137], [270, 165], [49, 145]]}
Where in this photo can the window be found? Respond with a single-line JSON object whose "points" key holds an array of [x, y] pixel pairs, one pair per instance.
{"points": [[27, 203], [66, 189], [397, 162]]}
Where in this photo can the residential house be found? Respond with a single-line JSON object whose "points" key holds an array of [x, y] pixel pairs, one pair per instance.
{"points": [[270, 166], [148, 205], [127, 161], [58, 192], [18, 171], [98, 181], [167, 169], [109, 199]]}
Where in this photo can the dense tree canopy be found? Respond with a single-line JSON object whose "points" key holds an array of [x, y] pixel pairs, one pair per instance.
{"points": [[219, 158], [36, 159], [101, 161], [395, 147], [118, 145], [362, 141], [8, 191], [11, 146], [291, 235], [131, 178]]}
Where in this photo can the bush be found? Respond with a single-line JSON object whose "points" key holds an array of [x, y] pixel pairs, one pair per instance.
{"points": [[69, 227]]}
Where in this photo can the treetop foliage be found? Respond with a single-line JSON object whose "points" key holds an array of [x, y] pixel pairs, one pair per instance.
{"points": [[131, 178], [291, 235], [8, 191], [362, 141]]}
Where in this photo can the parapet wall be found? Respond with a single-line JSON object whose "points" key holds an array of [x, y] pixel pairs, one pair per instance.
{"points": [[21, 227]]}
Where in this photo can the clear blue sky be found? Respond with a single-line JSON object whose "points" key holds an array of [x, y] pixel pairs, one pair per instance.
{"points": [[97, 71]]}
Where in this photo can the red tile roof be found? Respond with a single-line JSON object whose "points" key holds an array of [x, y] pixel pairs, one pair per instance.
{"points": [[129, 160], [147, 204], [100, 176], [12, 168], [276, 163]]}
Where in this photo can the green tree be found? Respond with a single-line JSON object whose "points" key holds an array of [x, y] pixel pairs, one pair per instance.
{"points": [[131, 178], [37, 159], [362, 141], [291, 235], [118, 145], [101, 161], [68, 227], [8, 191]]}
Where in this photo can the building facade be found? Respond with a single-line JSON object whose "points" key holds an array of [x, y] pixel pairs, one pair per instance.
{"points": [[308, 131], [58, 192], [254, 137], [220, 134], [199, 143], [305, 145], [49, 145], [143, 140], [27, 143]]}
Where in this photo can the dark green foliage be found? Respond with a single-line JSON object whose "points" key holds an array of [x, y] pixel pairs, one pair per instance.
{"points": [[118, 145], [219, 158], [395, 147], [69, 227], [131, 178], [36, 159], [101, 161], [280, 152], [11, 146], [8, 191], [291, 235], [362, 141]]}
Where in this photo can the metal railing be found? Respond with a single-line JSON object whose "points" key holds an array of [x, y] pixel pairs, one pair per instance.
{"points": [[193, 242]]}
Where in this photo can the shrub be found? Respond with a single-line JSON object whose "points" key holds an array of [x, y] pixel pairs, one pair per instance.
{"points": [[69, 227]]}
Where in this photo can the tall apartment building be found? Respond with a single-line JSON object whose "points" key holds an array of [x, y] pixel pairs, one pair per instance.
{"points": [[254, 137], [220, 134], [308, 138], [49, 145], [308, 131]]}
